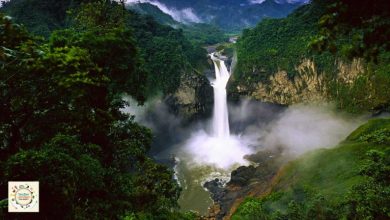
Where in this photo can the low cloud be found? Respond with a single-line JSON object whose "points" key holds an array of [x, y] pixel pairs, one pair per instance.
{"points": [[303, 128], [294, 130], [256, 1], [186, 15], [292, 1], [254, 126]]}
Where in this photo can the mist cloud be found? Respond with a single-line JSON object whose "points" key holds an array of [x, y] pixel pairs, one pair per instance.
{"points": [[303, 128], [256, 1], [255, 126], [186, 15]]}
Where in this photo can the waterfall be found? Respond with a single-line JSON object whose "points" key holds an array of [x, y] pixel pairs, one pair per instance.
{"points": [[220, 123], [218, 147]]}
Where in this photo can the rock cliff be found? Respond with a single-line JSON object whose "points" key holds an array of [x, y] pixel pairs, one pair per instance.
{"points": [[194, 97], [307, 86]]}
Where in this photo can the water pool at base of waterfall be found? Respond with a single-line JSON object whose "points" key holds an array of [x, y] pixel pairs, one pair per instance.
{"points": [[206, 156], [194, 197]]}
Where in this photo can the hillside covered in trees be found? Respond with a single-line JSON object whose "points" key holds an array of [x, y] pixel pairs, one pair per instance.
{"points": [[309, 40], [63, 75], [67, 68], [350, 180], [199, 33], [164, 51], [229, 15]]}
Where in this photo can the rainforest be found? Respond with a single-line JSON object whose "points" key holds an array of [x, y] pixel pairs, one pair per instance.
{"points": [[195, 110]]}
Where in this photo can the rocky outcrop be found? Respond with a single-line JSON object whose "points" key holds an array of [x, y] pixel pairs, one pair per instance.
{"points": [[308, 86], [348, 73], [254, 180], [193, 98]]}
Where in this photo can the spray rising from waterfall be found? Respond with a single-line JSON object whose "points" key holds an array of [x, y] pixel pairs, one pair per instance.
{"points": [[218, 147]]}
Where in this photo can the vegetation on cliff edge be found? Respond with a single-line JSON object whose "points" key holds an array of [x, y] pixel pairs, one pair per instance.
{"points": [[61, 124], [331, 28], [350, 181]]}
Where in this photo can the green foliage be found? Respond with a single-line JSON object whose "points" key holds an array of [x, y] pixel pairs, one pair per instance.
{"points": [[367, 24], [234, 15], [368, 92], [378, 137], [198, 33], [40, 17], [204, 34], [123, 67], [60, 124], [358, 29], [314, 207], [353, 97], [279, 44], [251, 209], [347, 182], [367, 130], [64, 177], [155, 12], [164, 53], [60, 115], [98, 14], [371, 198], [339, 34], [162, 216]]}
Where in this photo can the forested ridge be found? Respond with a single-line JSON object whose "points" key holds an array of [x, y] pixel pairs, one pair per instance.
{"points": [[229, 15], [201, 34], [350, 180], [165, 51], [61, 95], [66, 66], [326, 33]]}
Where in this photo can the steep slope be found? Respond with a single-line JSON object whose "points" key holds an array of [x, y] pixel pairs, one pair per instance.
{"points": [[231, 16], [61, 121], [155, 12], [198, 33], [166, 52], [325, 184], [276, 64], [40, 17]]}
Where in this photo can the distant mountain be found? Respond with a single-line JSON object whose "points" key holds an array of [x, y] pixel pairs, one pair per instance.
{"points": [[230, 15], [199, 33], [155, 12]]}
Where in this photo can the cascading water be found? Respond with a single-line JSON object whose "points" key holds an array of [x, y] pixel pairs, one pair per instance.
{"points": [[218, 148], [220, 124], [214, 154]]}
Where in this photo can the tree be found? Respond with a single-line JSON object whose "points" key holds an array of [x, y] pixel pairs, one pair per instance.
{"points": [[68, 175], [366, 23], [61, 124], [371, 198]]}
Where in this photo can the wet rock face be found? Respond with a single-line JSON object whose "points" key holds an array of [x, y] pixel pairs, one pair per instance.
{"points": [[308, 86], [193, 99], [245, 181], [215, 187], [242, 175]]}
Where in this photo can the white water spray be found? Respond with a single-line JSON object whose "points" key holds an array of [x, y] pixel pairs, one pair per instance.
{"points": [[220, 118], [218, 148], [211, 155]]}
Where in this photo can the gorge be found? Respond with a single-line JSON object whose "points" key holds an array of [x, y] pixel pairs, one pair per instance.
{"points": [[136, 110]]}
